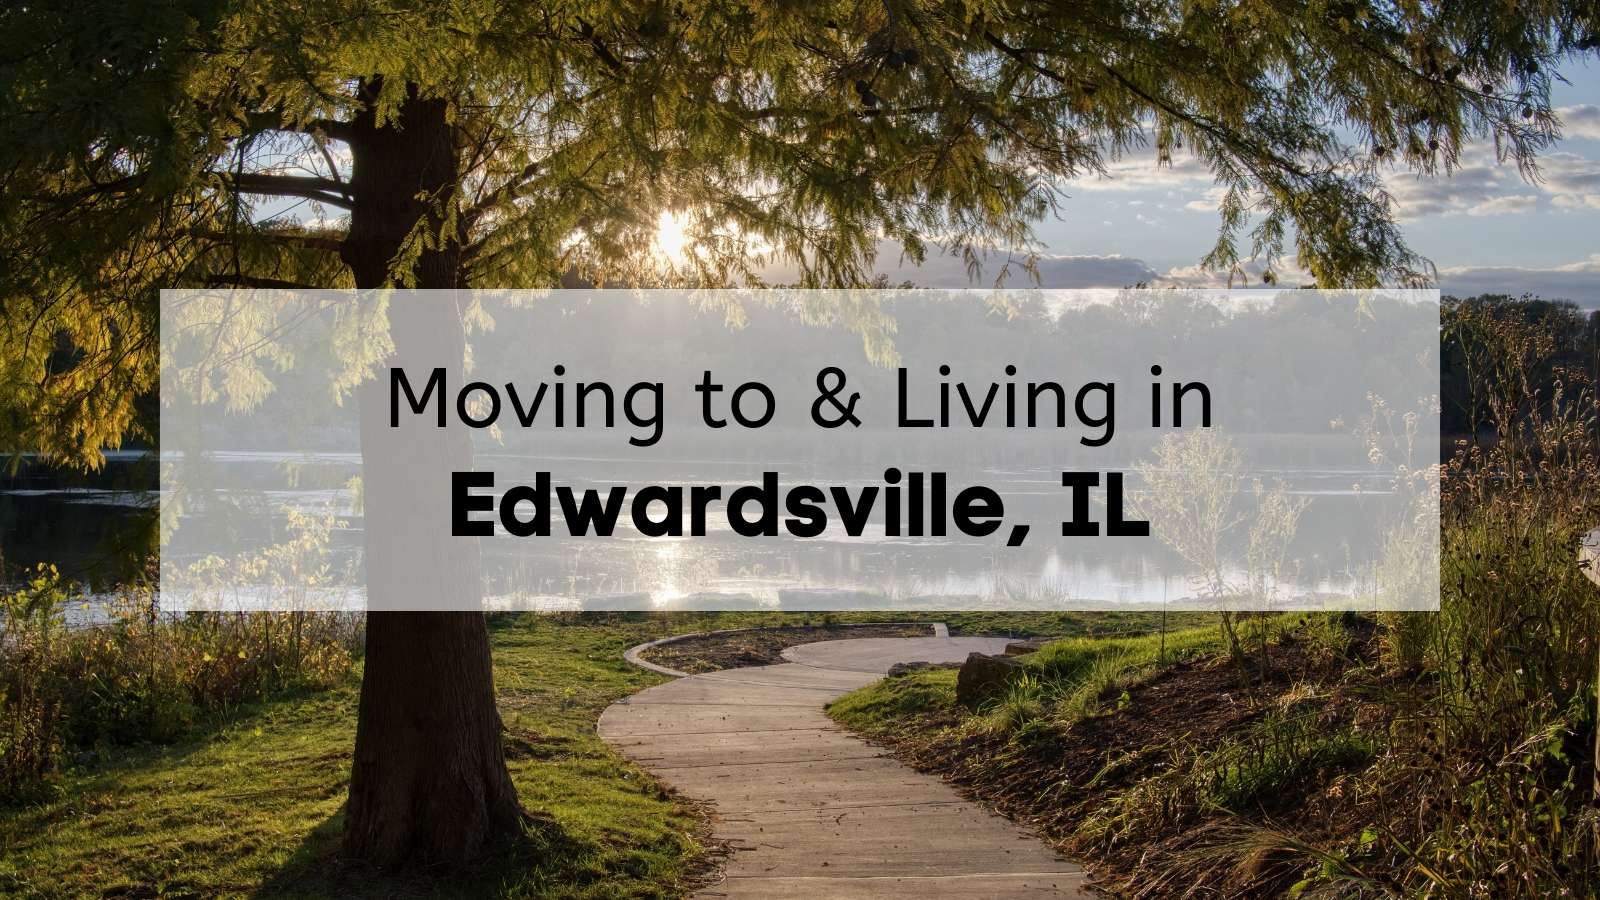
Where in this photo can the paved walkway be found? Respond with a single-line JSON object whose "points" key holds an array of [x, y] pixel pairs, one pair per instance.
{"points": [[811, 811]]}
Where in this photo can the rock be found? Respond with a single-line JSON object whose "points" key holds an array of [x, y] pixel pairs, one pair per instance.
{"points": [[1023, 648], [982, 676]]}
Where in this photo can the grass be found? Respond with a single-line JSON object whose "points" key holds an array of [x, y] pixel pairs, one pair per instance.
{"points": [[1068, 678], [1064, 624], [1122, 749], [254, 805], [1334, 771]]}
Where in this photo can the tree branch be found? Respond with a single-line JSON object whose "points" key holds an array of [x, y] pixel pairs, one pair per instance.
{"points": [[308, 241], [322, 190], [250, 281], [587, 31], [273, 120], [501, 194], [1237, 143]]}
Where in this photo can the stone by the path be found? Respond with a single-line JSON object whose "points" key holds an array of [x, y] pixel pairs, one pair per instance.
{"points": [[1025, 646], [983, 676], [811, 811]]}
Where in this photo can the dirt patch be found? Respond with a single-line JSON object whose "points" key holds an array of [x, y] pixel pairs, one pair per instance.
{"points": [[762, 646]]}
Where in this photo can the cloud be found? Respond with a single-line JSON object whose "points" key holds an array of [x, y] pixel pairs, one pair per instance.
{"points": [[1210, 201], [1476, 181], [1093, 271], [1577, 281], [1286, 274], [941, 270], [1572, 180], [1481, 185], [1511, 204], [1139, 170], [1484, 186], [1055, 271], [1571, 202], [1581, 121]]}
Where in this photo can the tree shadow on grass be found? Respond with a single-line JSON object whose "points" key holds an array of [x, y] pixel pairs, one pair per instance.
{"points": [[543, 856]]}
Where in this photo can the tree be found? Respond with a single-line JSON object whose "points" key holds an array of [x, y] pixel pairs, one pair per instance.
{"points": [[496, 143]]}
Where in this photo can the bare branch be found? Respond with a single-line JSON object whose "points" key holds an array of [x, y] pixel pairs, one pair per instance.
{"points": [[250, 281], [502, 194], [322, 190], [273, 120], [308, 241]]}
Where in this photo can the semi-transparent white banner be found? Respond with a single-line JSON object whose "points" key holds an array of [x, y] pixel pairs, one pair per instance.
{"points": [[806, 450]]}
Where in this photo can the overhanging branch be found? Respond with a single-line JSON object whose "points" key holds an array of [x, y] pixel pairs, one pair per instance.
{"points": [[288, 238], [502, 194], [274, 120], [322, 190], [250, 281]]}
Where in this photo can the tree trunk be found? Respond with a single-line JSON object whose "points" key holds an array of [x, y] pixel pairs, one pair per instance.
{"points": [[429, 782]]}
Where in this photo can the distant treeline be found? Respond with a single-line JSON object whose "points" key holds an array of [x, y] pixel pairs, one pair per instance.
{"points": [[1551, 345]]}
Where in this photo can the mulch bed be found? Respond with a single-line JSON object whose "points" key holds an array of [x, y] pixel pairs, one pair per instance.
{"points": [[763, 646]]}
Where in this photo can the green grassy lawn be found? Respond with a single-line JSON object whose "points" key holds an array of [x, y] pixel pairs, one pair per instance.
{"points": [[254, 807]]}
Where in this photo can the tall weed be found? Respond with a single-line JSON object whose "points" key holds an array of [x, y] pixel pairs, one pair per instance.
{"points": [[140, 675]]}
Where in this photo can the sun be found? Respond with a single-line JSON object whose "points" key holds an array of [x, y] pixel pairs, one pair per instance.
{"points": [[672, 237]]}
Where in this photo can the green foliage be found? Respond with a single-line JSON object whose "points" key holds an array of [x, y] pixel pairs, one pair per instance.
{"points": [[1266, 764], [143, 148], [1494, 737], [141, 676], [1424, 754], [30, 716], [1195, 487], [1075, 659], [1019, 706]]}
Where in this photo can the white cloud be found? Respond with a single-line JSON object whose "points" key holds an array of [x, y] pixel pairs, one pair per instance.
{"points": [[1484, 186], [941, 270], [1481, 185], [1572, 202], [1139, 170], [1477, 180], [1286, 274], [1576, 281], [1581, 121], [1511, 204], [1572, 180], [1210, 201]]}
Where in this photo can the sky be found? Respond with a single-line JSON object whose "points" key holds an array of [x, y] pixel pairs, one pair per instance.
{"points": [[1484, 227]]}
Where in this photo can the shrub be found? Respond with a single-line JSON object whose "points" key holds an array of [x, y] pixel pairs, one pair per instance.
{"points": [[1493, 750], [141, 675]]}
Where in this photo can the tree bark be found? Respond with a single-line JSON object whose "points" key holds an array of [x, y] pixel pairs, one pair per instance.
{"points": [[429, 783]]}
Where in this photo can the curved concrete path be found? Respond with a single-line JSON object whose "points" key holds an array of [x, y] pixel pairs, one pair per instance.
{"points": [[808, 809]]}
